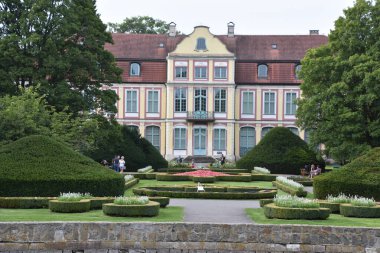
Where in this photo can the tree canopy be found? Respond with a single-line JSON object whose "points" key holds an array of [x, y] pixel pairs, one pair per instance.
{"points": [[58, 44], [140, 25], [341, 92]]}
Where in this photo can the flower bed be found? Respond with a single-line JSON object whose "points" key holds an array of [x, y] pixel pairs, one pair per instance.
{"points": [[260, 170], [202, 173], [80, 206], [289, 186], [132, 206], [210, 192], [164, 201], [273, 211]]}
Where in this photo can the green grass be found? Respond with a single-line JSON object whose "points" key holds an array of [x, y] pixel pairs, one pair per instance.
{"points": [[263, 184], [168, 214], [257, 215]]}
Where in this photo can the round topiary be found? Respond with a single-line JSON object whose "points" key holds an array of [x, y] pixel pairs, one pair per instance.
{"points": [[280, 151], [360, 177], [42, 166], [349, 210], [70, 206], [164, 201], [273, 211], [150, 209]]}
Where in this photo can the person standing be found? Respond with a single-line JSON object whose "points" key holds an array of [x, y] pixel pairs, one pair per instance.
{"points": [[116, 163], [122, 164]]}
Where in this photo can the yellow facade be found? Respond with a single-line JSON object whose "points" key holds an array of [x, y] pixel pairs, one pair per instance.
{"points": [[229, 131]]}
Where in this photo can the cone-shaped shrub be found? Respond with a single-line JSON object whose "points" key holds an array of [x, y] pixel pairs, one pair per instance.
{"points": [[280, 151], [360, 177], [42, 166]]}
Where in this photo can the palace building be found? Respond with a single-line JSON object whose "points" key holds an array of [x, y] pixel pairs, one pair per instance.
{"points": [[205, 95]]}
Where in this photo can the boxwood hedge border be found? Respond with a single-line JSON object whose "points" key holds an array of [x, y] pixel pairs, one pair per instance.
{"points": [[290, 190], [348, 210], [273, 211], [81, 206], [150, 209]]}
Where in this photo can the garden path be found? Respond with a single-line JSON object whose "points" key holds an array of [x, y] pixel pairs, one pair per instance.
{"points": [[215, 210]]}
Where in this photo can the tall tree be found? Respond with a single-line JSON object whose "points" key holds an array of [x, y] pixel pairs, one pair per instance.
{"points": [[341, 88], [140, 25], [58, 44]]}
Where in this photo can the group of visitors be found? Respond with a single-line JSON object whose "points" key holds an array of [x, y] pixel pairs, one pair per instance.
{"points": [[118, 163], [312, 170]]}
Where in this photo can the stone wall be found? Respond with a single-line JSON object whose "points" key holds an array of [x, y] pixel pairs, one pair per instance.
{"points": [[184, 237]]}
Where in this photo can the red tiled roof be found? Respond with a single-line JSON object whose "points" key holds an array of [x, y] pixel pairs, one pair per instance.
{"points": [[246, 47]]}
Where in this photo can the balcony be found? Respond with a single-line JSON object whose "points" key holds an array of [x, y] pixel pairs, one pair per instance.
{"points": [[200, 116]]}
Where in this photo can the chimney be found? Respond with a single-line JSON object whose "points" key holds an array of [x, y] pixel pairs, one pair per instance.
{"points": [[314, 32], [231, 30], [172, 29]]}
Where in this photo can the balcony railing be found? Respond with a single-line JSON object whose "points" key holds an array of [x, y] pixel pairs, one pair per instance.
{"points": [[198, 116]]}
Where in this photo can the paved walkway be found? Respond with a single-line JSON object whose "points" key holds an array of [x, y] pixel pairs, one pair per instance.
{"points": [[215, 210]]}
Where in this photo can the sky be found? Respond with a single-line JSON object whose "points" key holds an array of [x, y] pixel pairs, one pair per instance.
{"points": [[250, 16]]}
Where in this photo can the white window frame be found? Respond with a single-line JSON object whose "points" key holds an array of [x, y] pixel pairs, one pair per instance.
{"points": [[180, 113], [181, 64], [269, 116], [131, 114], [220, 65], [219, 148], [182, 139], [220, 101], [258, 72], [246, 115], [139, 69], [289, 116], [149, 113], [245, 146]]}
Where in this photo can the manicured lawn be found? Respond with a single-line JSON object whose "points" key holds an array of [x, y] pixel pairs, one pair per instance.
{"points": [[144, 183], [257, 215], [263, 184], [168, 214]]}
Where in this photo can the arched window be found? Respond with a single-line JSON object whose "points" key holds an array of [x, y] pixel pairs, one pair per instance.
{"points": [[247, 139], [152, 134], [262, 71], [297, 69], [264, 131], [135, 69], [201, 44], [134, 128], [294, 130]]}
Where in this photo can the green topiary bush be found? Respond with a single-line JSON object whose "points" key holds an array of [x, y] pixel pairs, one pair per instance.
{"points": [[273, 211], [41, 166], [280, 151], [149, 210], [348, 210], [80, 206], [360, 177]]}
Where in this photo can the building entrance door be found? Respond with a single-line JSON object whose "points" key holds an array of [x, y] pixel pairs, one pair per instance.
{"points": [[199, 141]]}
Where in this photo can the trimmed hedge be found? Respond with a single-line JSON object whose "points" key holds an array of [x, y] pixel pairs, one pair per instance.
{"points": [[97, 203], [190, 192], [273, 211], [180, 170], [290, 190], [305, 181], [280, 151], [164, 201], [236, 178], [70, 206], [150, 209], [171, 177], [24, 202], [349, 210], [263, 202], [41, 166], [334, 207], [263, 177], [360, 177], [204, 179], [131, 183]]}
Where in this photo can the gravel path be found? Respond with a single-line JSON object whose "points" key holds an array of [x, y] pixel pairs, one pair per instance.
{"points": [[215, 210]]}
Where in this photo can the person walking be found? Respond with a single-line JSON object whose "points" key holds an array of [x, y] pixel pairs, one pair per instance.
{"points": [[122, 164]]}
